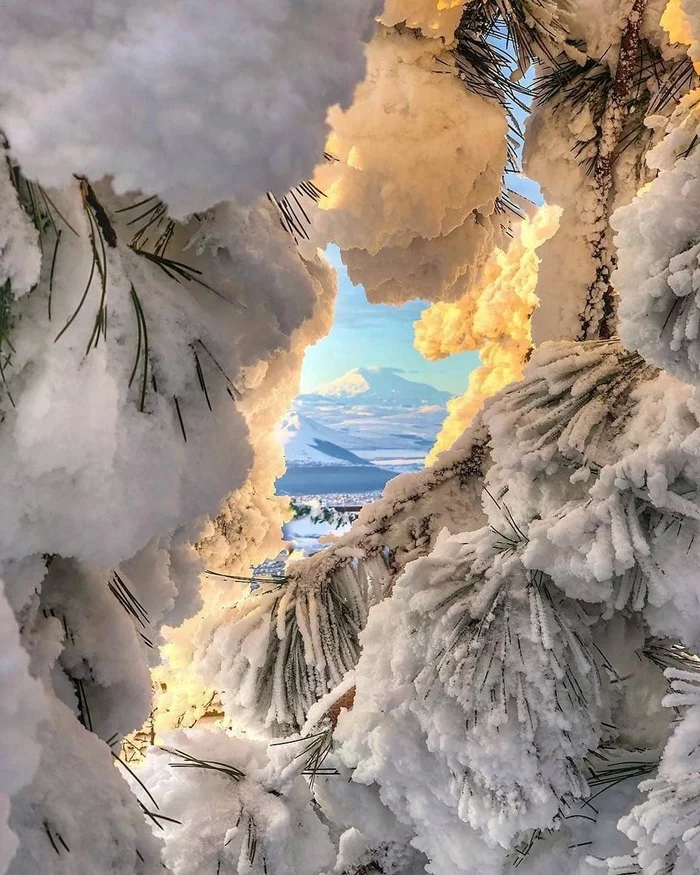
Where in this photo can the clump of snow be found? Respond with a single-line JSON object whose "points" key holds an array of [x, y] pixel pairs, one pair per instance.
{"points": [[104, 652], [550, 158], [471, 672], [665, 826], [111, 420], [681, 19], [410, 202], [434, 18], [613, 544], [357, 854], [176, 100], [20, 256], [626, 535], [79, 815], [231, 812], [658, 272], [493, 317], [22, 708]]}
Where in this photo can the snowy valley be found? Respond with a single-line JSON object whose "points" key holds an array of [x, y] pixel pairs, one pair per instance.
{"points": [[355, 433]]}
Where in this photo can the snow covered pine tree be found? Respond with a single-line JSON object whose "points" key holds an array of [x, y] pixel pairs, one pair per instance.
{"points": [[495, 668]]}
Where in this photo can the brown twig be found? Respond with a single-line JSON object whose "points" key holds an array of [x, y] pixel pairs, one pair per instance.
{"points": [[346, 701]]}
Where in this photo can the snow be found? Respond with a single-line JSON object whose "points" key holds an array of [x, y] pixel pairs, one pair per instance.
{"points": [[437, 677], [115, 452], [664, 825], [240, 817], [317, 716], [20, 256], [375, 386], [658, 267], [691, 11], [549, 158], [350, 384], [494, 625], [170, 101], [79, 815], [435, 18], [22, 711], [494, 317], [410, 202], [307, 442], [681, 19], [433, 725], [75, 422]]}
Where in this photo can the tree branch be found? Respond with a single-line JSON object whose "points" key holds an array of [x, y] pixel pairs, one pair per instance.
{"points": [[599, 316]]}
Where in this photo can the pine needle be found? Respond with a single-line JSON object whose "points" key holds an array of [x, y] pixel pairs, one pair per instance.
{"points": [[180, 420], [141, 339], [179, 272]]}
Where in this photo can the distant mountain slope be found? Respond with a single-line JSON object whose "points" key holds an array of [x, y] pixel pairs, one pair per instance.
{"points": [[318, 463], [375, 386], [357, 432], [309, 443]]}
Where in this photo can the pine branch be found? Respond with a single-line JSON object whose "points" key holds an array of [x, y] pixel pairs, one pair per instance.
{"points": [[35, 201], [678, 79], [314, 755], [153, 218], [485, 69], [571, 409], [535, 29], [483, 66], [312, 622], [100, 232], [599, 315]]}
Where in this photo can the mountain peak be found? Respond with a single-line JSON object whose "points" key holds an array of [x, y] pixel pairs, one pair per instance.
{"points": [[350, 384], [372, 384]]}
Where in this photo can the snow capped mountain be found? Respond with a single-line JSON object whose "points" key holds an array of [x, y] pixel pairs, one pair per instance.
{"points": [[379, 386], [357, 432], [309, 443], [378, 414]]}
